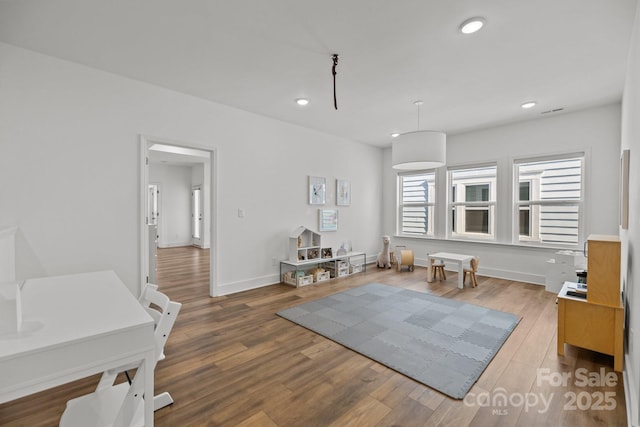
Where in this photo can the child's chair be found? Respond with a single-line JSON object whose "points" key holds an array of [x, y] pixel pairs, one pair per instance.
{"points": [[122, 404], [437, 267], [473, 268]]}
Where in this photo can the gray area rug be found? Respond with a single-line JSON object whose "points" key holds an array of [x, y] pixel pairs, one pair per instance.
{"points": [[442, 343]]}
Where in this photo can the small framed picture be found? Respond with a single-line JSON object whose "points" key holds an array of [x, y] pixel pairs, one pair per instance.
{"points": [[343, 192], [317, 190], [327, 253], [328, 219]]}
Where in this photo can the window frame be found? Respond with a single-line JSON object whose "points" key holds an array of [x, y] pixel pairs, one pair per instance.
{"points": [[527, 208], [535, 239], [457, 221], [430, 206]]}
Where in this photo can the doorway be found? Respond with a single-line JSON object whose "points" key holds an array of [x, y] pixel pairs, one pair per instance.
{"points": [[178, 199], [197, 215]]}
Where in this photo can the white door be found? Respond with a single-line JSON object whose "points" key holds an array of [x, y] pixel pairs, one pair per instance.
{"points": [[153, 212], [197, 208], [152, 204]]}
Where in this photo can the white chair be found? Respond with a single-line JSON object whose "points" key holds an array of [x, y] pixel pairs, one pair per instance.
{"points": [[122, 404], [147, 297]]}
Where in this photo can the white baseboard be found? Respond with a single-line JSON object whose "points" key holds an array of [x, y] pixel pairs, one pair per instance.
{"points": [[272, 279], [163, 245], [630, 398], [259, 282], [536, 279], [245, 285]]}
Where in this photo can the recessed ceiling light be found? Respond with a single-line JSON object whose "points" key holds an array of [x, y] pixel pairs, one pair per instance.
{"points": [[302, 101], [472, 25], [395, 135], [529, 104]]}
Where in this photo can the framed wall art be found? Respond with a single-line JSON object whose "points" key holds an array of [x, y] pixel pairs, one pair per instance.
{"points": [[328, 219], [343, 192], [317, 190]]}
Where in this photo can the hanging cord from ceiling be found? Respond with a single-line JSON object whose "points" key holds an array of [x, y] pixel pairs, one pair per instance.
{"points": [[333, 71]]}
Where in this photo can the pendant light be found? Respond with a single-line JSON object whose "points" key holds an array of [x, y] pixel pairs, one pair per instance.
{"points": [[422, 149]]}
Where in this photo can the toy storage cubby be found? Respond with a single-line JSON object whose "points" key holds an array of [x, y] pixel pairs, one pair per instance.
{"points": [[307, 272], [307, 265], [304, 245]]}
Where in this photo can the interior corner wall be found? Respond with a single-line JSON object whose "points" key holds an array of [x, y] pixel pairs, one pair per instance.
{"points": [[595, 131], [631, 237], [69, 168]]}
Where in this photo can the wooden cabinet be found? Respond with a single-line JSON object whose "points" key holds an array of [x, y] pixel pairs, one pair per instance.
{"points": [[597, 322], [593, 326], [603, 270]]}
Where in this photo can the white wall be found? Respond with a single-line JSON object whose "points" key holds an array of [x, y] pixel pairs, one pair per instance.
{"points": [[69, 168], [631, 237], [174, 222], [595, 131], [7, 254]]}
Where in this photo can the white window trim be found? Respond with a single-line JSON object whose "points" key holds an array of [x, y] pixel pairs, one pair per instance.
{"points": [[491, 204], [534, 184], [582, 219], [431, 231]]}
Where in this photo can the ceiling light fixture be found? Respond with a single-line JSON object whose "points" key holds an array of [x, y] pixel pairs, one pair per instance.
{"points": [[528, 104], [302, 101], [472, 25], [422, 149], [395, 135]]}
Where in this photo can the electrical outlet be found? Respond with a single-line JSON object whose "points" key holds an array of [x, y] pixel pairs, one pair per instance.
{"points": [[274, 261]]}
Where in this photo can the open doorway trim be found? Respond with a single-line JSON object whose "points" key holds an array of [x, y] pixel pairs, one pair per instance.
{"points": [[145, 142]]}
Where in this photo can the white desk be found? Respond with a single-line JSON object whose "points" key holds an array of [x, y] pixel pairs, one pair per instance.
{"points": [[460, 259], [73, 327]]}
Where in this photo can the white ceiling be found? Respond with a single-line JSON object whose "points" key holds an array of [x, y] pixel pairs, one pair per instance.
{"points": [[260, 55]]}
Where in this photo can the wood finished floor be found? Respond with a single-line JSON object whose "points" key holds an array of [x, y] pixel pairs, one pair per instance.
{"points": [[232, 362]]}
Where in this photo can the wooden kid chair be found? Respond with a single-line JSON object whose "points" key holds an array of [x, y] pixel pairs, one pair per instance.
{"points": [[473, 268], [437, 266]]}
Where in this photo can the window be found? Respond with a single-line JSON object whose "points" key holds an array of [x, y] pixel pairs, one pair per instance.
{"points": [[417, 201], [524, 217], [472, 201], [549, 201]]}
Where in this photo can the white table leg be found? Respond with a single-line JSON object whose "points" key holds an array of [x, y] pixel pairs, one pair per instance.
{"points": [[460, 275], [148, 389], [429, 269]]}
